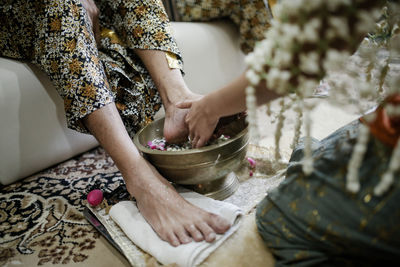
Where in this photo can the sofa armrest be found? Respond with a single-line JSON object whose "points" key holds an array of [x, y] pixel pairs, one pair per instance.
{"points": [[33, 132]]}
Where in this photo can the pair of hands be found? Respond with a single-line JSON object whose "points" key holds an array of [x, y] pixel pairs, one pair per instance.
{"points": [[200, 121]]}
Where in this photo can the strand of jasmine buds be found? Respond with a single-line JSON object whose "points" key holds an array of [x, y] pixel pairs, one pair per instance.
{"points": [[299, 120], [269, 112], [394, 165], [252, 114], [307, 160], [278, 131], [387, 178], [352, 181], [383, 71]]}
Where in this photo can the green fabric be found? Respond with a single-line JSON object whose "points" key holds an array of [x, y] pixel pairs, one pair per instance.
{"points": [[313, 220]]}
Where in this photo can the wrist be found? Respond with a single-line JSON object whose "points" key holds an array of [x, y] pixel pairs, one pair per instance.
{"points": [[212, 107]]}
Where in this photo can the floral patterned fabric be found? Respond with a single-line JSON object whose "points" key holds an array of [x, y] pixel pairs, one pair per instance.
{"points": [[252, 17], [57, 36], [313, 221]]}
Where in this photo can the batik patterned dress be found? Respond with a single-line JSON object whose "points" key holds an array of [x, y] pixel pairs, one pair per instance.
{"points": [[57, 36], [252, 17]]}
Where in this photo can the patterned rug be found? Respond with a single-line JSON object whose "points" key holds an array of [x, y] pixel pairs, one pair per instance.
{"points": [[41, 219], [42, 222]]}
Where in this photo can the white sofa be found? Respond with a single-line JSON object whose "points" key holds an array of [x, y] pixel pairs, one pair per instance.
{"points": [[33, 133]]}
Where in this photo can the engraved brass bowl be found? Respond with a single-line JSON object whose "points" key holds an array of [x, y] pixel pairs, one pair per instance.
{"points": [[207, 170]]}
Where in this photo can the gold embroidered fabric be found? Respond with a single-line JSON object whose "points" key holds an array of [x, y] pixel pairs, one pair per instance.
{"points": [[172, 60]]}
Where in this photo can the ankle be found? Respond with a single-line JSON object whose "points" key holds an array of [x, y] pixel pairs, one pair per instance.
{"points": [[176, 95]]}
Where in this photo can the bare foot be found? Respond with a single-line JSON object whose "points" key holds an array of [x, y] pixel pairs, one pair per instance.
{"points": [[175, 129], [173, 218]]}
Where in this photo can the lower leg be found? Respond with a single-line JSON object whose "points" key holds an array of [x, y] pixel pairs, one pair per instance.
{"points": [[173, 219]]}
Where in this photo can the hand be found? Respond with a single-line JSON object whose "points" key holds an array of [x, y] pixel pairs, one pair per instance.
{"points": [[93, 14], [200, 121]]}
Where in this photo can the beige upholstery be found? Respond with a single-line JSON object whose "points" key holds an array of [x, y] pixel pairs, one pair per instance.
{"points": [[33, 133]]}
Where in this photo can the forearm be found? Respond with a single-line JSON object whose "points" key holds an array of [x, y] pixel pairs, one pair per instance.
{"points": [[231, 99]]}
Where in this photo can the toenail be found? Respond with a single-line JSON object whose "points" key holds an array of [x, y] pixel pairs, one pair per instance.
{"points": [[211, 236]]}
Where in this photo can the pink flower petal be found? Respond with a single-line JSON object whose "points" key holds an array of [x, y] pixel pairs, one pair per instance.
{"points": [[251, 161]]}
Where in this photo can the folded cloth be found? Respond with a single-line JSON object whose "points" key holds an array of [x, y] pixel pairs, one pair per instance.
{"points": [[129, 219]]}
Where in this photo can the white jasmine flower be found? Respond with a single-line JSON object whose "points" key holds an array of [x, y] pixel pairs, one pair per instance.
{"points": [[250, 90], [251, 99], [252, 76], [273, 78], [309, 62], [387, 179], [308, 166], [299, 119], [282, 58], [252, 114], [307, 160], [290, 33], [384, 184], [265, 49], [277, 80], [334, 5], [255, 62], [352, 181], [311, 5], [339, 25], [310, 31], [250, 59], [287, 8]]}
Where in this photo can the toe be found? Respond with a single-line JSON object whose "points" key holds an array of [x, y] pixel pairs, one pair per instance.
{"points": [[207, 231], [172, 239], [194, 233], [219, 224], [183, 236]]}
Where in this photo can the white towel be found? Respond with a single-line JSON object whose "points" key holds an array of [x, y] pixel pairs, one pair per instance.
{"points": [[128, 217]]}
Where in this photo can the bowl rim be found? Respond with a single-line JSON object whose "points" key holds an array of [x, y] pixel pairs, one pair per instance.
{"points": [[144, 149]]}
